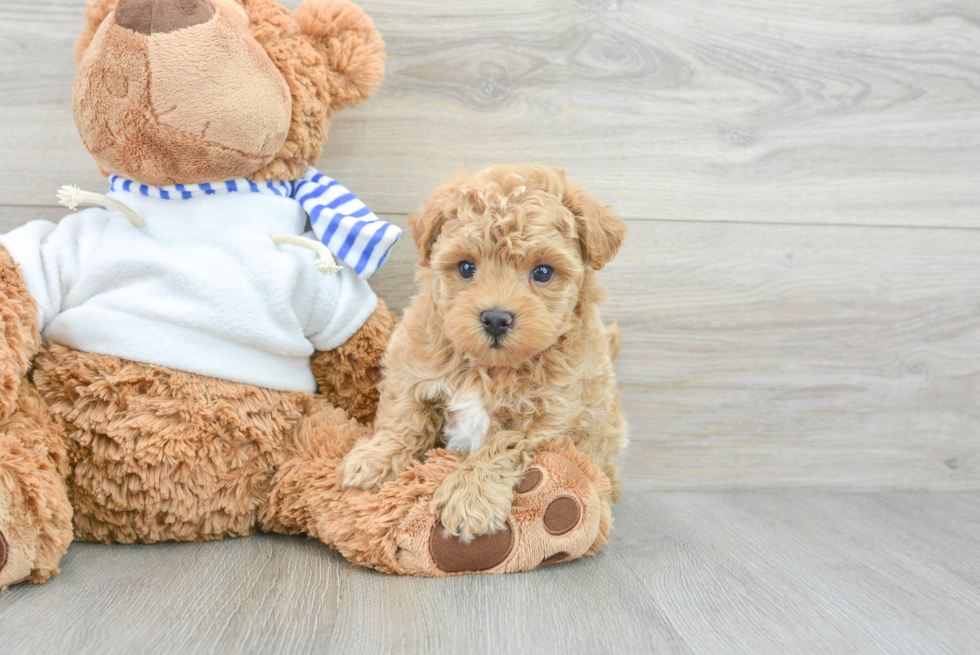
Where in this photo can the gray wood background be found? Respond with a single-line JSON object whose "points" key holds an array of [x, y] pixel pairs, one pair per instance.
{"points": [[800, 290], [800, 304]]}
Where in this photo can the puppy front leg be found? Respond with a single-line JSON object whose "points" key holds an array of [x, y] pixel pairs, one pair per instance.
{"points": [[404, 429], [476, 498]]}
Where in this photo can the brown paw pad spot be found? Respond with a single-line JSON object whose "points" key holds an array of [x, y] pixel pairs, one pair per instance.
{"points": [[3, 551], [530, 481], [560, 556], [453, 556], [561, 515]]}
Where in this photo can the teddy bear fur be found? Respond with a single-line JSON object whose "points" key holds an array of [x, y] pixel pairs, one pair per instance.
{"points": [[329, 54], [98, 448]]}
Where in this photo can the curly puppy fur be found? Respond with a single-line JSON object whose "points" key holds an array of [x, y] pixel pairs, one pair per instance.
{"points": [[549, 376]]}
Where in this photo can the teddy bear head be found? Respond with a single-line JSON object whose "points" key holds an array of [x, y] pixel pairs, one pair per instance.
{"points": [[192, 91]]}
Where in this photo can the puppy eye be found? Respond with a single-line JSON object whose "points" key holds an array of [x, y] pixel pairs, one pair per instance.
{"points": [[542, 274], [466, 269]]}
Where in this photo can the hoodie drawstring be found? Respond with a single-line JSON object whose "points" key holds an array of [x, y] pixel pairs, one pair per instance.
{"points": [[325, 264], [71, 196]]}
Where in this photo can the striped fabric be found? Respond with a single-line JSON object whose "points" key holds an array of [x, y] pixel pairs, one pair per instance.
{"points": [[344, 225], [340, 221], [188, 191]]}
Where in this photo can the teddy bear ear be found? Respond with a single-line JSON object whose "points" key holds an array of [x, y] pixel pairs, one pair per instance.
{"points": [[346, 38], [95, 13], [600, 230]]}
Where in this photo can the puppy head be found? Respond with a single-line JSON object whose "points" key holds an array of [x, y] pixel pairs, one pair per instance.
{"points": [[506, 253]]}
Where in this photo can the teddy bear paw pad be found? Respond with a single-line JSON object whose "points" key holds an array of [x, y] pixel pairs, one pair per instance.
{"points": [[561, 515], [532, 478], [482, 553]]}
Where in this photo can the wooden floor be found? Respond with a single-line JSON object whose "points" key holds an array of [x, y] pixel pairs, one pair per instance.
{"points": [[699, 572], [799, 297]]}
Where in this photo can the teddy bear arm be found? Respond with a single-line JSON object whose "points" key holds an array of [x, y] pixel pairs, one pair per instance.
{"points": [[349, 375], [21, 332], [35, 515]]}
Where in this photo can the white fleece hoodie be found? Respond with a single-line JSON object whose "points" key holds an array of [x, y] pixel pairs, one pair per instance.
{"points": [[200, 288]]}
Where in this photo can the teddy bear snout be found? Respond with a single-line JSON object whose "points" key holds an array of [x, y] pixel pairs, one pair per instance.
{"points": [[162, 16]]}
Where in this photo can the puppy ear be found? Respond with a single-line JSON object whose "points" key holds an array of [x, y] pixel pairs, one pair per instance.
{"points": [[427, 224], [95, 13], [346, 38], [600, 230]]}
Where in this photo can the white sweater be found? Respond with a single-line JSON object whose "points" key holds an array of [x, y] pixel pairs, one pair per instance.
{"points": [[200, 288]]}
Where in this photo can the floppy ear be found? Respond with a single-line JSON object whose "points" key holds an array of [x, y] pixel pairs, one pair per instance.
{"points": [[351, 46], [95, 13], [600, 230], [427, 224]]}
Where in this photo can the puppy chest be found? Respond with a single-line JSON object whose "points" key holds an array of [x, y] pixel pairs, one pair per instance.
{"points": [[467, 422]]}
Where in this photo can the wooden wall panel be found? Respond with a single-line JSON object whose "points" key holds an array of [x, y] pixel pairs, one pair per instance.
{"points": [[767, 111], [798, 291]]}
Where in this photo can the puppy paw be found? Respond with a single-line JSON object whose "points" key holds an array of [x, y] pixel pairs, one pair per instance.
{"points": [[368, 465], [469, 506]]}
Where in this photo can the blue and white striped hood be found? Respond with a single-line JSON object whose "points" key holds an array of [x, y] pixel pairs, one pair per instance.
{"points": [[340, 221]]}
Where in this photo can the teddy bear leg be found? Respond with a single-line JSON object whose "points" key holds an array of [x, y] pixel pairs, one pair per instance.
{"points": [[35, 513], [309, 480], [349, 375], [308, 495], [561, 508]]}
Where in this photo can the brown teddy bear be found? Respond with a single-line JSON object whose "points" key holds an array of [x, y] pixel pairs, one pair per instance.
{"points": [[187, 362]]}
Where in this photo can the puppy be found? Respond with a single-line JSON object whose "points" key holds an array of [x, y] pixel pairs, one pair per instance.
{"points": [[503, 349]]}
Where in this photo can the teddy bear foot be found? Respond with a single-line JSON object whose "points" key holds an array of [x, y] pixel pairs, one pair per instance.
{"points": [[560, 513]]}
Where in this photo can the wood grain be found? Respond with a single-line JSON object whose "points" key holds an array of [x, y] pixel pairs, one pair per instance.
{"points": [[752, 110], [684, 572], [764, 356]]}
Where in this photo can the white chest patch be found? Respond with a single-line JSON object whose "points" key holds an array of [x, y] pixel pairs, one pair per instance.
{"points": [[467, 424]]}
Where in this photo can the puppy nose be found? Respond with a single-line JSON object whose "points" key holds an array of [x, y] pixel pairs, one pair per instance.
{"points": [[496, 321], [160, 16]]}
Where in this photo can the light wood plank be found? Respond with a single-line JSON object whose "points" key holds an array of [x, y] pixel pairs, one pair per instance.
{"points": [[773, 357], [684, 572], [761, 110]]}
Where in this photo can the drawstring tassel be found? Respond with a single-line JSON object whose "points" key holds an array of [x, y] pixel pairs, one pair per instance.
{"points": [[325, 264], [71, 196]]}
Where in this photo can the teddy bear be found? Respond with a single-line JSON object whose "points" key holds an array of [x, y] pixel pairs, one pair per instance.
{"points": [[187, 361]]}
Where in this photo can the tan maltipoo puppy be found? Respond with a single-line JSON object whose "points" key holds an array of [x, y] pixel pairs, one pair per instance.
{"points": [[503, 349]]}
